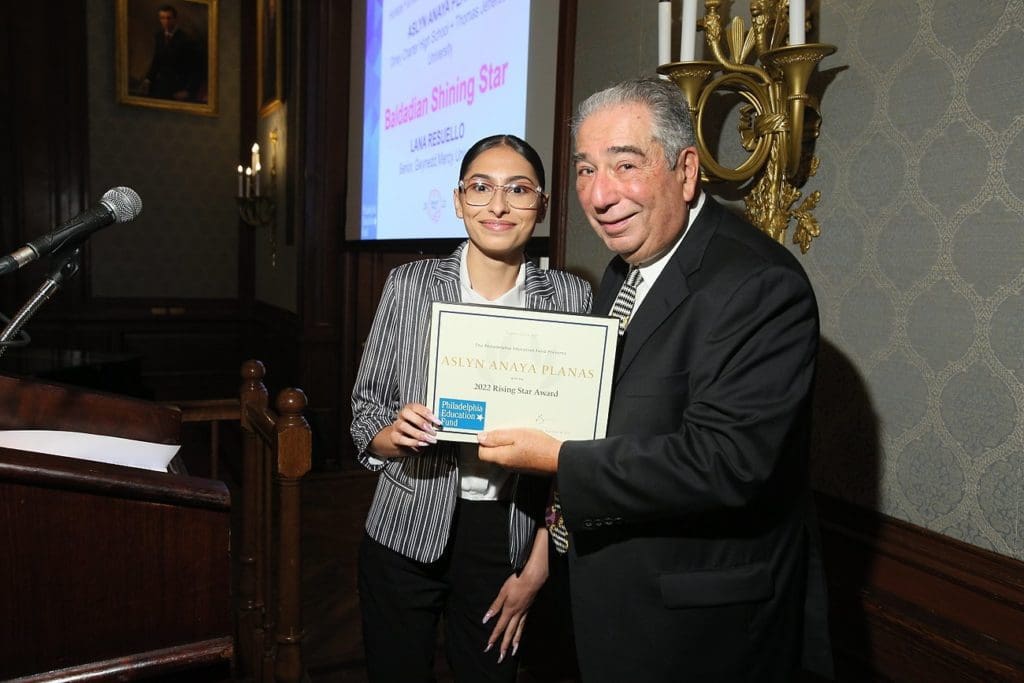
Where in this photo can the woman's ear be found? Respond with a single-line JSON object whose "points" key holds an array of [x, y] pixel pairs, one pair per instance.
{"points": [[542, 210]]}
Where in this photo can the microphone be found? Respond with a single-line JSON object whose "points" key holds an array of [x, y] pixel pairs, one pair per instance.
{"points": [[118, 205]]}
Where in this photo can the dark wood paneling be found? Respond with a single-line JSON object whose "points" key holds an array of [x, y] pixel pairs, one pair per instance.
{"points": [[109, 562], [185, 349], [44, 119], [908, 604], [562, 140]]}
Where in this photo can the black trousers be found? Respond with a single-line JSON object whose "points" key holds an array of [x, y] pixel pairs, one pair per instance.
{"points": [[402, 600]]}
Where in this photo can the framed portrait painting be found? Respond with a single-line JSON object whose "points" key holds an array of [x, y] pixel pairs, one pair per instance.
{"points": [[167, 54], [270, 51]]}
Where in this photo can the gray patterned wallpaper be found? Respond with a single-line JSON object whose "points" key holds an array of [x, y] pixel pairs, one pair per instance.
{"points": [[921, 274], [185, 243], [920, 267]]}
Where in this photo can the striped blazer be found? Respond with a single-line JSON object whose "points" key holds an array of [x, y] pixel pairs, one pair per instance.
{"points": [[413, 506]]}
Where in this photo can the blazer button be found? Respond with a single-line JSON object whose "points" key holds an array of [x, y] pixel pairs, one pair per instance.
{"points": [[588, 523]]}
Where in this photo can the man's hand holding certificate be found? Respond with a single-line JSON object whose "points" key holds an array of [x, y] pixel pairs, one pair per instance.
{"points": [[493, 368]]}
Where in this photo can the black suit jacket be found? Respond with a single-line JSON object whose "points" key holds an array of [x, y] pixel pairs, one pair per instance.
{"points": [[691, 543], [175, 67]]}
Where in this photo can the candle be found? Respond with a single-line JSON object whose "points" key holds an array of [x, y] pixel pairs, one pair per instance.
{"points": [[796, 22], [664, 31], [256, 157], [256, 182], [240, 174], [248, 181], [688, 31]]}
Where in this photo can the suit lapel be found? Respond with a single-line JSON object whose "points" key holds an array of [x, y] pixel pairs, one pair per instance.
{"points": [[671, 288], [611, 282], [444, 286], [540, 293]]}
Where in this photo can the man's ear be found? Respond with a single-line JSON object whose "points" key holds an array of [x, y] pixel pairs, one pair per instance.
{"points": [[458, 204], [688, 172]]}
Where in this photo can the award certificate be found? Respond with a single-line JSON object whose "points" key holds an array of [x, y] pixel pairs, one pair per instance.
{"points": [[492, 367]]}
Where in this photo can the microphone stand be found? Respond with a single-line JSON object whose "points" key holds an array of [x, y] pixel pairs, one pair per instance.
{"points": [[65, 264]]}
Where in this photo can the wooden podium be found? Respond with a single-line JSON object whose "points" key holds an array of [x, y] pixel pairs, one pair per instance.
{"points": [[107, 571]]}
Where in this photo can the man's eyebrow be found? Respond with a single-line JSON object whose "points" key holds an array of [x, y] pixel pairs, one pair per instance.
{"points": [[626, 149], [614, 149]]}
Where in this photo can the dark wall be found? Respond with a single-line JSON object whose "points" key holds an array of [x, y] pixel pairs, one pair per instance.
{"points": [[45, 142]]}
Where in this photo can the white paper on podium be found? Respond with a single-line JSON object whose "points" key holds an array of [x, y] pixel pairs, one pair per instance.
{"points": [[96, 447]]}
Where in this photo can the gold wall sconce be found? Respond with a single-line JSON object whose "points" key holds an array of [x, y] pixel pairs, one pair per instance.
{"points": [[778, 122], [257, 203]]}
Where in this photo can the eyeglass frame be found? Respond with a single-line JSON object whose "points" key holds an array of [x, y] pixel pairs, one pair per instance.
{"points": [[505, 188]]}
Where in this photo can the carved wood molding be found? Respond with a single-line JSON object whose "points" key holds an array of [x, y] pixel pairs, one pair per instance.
{"points": [[910, 604]]}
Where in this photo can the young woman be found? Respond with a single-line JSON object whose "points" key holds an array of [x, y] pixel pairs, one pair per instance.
{"points": [[447, 534]]}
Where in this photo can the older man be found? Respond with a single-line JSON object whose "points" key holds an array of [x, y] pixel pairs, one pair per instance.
{"points": [[692, 555]]}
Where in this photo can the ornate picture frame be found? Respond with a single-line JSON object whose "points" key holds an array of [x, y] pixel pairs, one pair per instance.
{"points": [[270, 19], [166, 54]]}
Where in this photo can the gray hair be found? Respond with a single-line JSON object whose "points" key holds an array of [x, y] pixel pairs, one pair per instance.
{"points": [[672, 127]]}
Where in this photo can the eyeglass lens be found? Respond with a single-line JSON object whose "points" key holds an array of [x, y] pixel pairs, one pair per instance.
{"points": [[518, 196]]}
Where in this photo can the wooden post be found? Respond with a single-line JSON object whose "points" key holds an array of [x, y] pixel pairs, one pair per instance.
{"points": [[294, 446]]}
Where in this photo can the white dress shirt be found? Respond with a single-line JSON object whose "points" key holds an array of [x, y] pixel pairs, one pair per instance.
{"points": [[480, 480]]}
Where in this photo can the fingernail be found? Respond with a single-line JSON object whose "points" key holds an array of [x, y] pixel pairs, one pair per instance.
{"points": [[431, 439], [501, 657], [489, 646], [487, 618], [422, 444], [515, 649]]}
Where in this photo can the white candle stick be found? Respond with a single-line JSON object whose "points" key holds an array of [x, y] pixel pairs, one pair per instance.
{"points": [[248, 181], [796, 22], [664, 31], [688, 31], [241, 172], [256, 182], [256, 157]]}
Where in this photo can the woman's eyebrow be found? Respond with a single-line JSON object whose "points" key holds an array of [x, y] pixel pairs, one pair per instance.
{"points": [[484, 176]]}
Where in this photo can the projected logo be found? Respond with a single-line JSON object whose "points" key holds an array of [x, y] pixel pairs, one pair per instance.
{"points": [[434, 205]]}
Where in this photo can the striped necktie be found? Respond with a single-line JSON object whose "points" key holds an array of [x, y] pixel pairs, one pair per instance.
{"points": [[556, 525], [623, 306]]}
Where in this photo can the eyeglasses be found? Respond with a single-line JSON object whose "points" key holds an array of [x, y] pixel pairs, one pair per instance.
{"points": [[518, 196]]}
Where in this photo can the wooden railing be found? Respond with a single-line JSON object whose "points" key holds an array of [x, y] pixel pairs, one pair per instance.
{"points": [[276, 455]]}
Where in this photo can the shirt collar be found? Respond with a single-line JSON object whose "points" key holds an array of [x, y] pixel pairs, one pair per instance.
{"points": [[515, 297]]}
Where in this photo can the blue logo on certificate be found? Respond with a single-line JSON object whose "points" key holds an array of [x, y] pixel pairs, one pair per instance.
{"points": [[457, 413]]}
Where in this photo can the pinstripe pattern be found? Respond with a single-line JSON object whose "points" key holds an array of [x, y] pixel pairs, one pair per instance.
{"points": [[412, 509]]}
